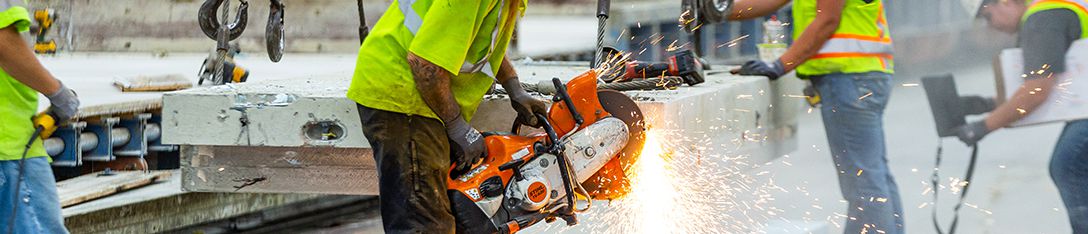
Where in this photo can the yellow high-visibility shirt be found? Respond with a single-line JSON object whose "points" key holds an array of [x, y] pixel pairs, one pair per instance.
{"points": [[468, 38]]}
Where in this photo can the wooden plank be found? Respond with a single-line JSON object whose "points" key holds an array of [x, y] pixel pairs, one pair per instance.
{"points": [[92, 186], [143, 83]]}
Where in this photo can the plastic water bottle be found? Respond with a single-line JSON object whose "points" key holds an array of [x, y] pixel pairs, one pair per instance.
{"points": [[773, 31]]}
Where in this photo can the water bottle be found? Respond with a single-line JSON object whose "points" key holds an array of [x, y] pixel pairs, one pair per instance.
{"points": [[773, 31], [774, 40]]}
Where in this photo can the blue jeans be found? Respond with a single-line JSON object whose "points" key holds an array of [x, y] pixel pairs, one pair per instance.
{"points": [[1069, 170], [39, 206], [853, 111]]}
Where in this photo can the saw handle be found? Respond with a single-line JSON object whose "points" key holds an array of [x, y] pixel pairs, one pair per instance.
{"points": [[562, 95]]}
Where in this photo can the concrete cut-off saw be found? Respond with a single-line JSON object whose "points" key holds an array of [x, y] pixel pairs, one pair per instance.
{"points": [[590, 138]]}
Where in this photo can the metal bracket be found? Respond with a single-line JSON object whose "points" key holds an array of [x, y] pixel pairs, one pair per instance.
{"points": [[154, 136], [137, 141], [71, 155], [103, 152]]}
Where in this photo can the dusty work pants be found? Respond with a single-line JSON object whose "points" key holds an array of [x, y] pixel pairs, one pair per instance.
{"points": [[853, 111], [413, 156], [1069, 170], [39, 206]]}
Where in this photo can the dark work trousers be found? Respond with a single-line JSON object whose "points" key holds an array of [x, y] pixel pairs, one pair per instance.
{"points": [[413, 156]]}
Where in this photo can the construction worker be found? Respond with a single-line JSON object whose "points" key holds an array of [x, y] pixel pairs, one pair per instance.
{"points": [[421, 74], [1047, 29], [845, 49], [34, 201]]}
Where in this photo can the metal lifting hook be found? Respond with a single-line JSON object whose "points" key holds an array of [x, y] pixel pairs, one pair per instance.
{"points": [[274, 38], [209, 22]]}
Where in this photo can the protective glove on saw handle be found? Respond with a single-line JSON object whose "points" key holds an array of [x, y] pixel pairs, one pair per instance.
{"points": [[526, 105], [973, 132], [468, 144], [759, 68], [64, 104]]}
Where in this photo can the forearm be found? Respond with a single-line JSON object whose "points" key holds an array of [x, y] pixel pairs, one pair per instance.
{"points": [[812, 40], [433, 84], [19, 62], [1025, 101], [749, 9], [508, 78]]}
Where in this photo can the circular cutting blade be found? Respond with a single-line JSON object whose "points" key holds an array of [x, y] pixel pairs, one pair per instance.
{"points": [[611, 182], [623, 107]]}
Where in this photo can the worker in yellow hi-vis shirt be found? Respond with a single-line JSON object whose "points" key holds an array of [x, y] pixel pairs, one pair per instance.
{"points": [[421, 74], [28, 191], [845, 48]]}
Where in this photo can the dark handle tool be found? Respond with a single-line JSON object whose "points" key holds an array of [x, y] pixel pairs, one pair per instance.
{"points": [[561, 94], [647, 70]]}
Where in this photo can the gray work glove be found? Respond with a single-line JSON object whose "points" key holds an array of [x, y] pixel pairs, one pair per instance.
{"points": [[972, 132], [526, 105], [65, 104], [976, 105], [759, 68], [467, 143]]}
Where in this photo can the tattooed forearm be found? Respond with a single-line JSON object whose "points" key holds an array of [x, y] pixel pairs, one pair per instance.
{"points": [[433, 84]]}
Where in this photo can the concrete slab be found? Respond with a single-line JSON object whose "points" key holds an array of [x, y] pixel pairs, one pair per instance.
{"points": [[226, 124]]}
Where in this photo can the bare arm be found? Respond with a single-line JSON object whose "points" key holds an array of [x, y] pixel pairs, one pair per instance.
{"points": [[508, 77], [828, 17], [19, 62], [433, 84], [1025, 101], [748, 9]]}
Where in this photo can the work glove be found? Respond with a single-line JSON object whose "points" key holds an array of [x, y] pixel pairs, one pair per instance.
{"points": [[526, 105], [759, 68], [976, 105], [467, 145], [972, 132], [64, 104]]}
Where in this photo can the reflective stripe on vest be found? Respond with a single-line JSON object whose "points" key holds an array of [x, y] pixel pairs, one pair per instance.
{"points": [[1080, 7], [861, 43], [413, 22], [860, 46]]}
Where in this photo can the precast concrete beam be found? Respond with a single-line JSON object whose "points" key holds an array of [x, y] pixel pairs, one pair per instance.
{"points": [[304, 135]]}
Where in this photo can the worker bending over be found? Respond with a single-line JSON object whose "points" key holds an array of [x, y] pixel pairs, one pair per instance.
{"points": [[845, 49], [1047, 29], [35, 205], [421, 74]]}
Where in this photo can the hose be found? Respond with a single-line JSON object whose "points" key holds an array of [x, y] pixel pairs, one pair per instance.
{"points": [[665, 83], [19, 180]]}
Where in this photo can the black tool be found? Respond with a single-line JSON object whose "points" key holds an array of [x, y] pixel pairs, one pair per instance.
{"points": [[950, 110], [683, 64]]}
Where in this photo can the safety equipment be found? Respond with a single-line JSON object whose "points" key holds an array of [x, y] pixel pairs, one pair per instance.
{"points": [[471, 52], [760, 68], [526, 106], [862, 43], [973, 132], [64, 104], [468, 144], [1078, 6], [590, 137]]}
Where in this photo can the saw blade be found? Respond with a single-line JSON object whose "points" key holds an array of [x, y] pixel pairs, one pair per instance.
{"points": [[623, 107], [611, 182]]}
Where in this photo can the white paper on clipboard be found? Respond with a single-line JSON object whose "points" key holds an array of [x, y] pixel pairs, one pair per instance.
{"points": [[1069, 97]]}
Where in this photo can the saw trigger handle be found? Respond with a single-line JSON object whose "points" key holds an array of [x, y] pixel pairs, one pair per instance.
{"points": [[562, 95]]}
